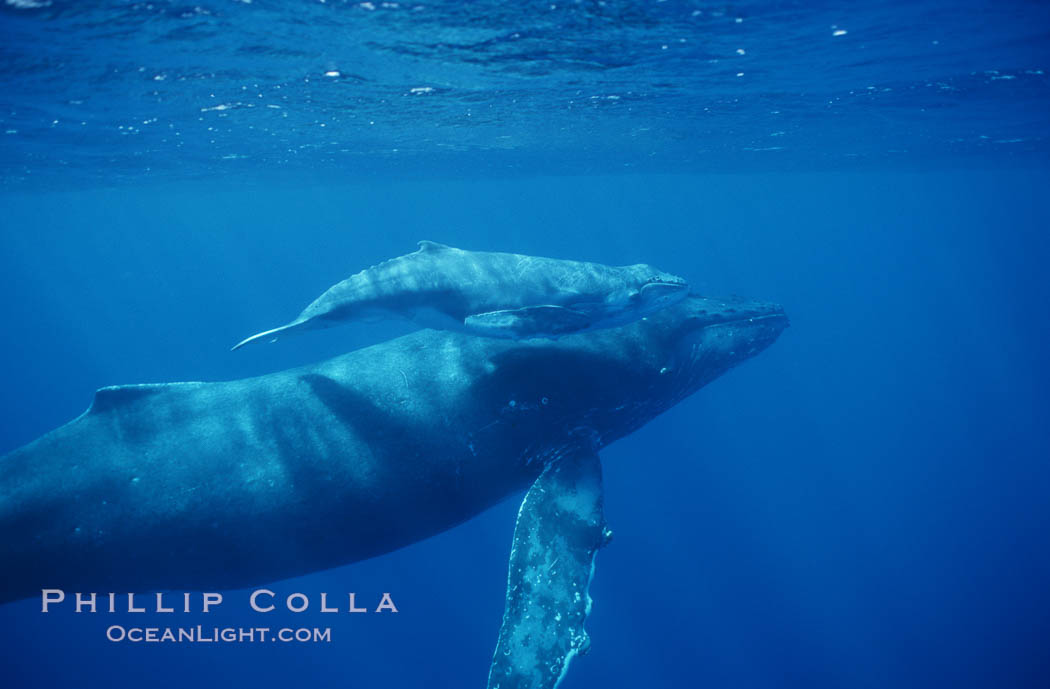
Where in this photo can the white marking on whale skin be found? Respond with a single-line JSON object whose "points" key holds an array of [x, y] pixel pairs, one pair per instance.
{"points": [[501, 295]]}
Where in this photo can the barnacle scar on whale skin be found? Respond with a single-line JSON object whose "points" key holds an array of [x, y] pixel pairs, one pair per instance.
{"points": [[491, 294], [236, 484]]}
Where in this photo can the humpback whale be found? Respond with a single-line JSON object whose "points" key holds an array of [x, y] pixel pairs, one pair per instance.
{"points": [[490, 294], [204, 486]]}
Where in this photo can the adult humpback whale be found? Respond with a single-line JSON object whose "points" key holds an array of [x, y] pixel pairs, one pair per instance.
{"points": [[491, 294], [192, 486]]}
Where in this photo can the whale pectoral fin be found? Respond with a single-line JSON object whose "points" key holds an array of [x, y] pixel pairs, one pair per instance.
{"points": [[530, 321], [560, 528]]}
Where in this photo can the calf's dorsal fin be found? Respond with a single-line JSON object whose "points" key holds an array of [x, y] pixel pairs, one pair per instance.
{"points": [[427, 245]]}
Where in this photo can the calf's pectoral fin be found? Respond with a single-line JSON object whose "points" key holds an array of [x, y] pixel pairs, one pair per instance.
{"points": [[530, 321], [272, 334], [559, 530]]}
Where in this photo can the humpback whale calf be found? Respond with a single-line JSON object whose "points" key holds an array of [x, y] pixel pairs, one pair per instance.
{"points": [[490, 294], [204, 486]]}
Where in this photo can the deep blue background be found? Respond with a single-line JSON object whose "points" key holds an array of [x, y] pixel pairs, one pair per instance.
{"points": [[863, 505]]}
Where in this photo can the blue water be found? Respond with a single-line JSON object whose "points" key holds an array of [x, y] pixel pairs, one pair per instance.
{"points": [[863, 505]]}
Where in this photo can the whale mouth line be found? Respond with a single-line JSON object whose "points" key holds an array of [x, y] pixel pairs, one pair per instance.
{"points": [[764, 325], [778, 315], [689, 331]]}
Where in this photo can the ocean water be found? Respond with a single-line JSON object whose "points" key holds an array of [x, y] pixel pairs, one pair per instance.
{"points": [[865, 504]]}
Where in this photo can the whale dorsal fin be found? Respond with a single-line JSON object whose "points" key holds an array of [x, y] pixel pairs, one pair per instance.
{"points": [[427, 245], [116, 396]]}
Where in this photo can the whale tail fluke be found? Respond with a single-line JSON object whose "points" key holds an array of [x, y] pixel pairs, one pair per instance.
{"points": [[272, 334]]}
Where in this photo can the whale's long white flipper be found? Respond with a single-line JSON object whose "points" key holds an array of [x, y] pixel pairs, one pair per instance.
{"points": [[559, 530]]}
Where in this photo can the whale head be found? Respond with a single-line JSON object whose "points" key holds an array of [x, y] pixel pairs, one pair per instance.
{"points": [[702, 338], [652, 289], [676, 351], [601, 385]]}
